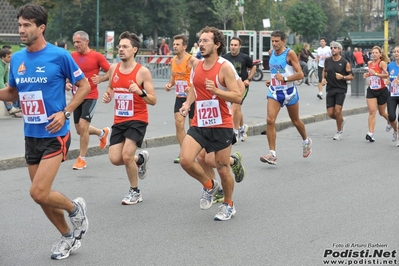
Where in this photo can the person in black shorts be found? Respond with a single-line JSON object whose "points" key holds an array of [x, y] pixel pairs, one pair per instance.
{"points": [[242, 63], [44, 68], [335, 74]]}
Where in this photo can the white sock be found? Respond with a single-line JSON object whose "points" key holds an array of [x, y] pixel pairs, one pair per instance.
{"points": [[273, 152], [102, 134]]}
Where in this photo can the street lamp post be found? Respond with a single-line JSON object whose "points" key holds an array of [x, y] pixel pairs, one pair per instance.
{"points": [[277, 13], [358, 15], [240, 4], [98, 25]]}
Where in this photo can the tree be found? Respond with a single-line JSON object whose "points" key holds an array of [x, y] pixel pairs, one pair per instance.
{"points": [[224, 10], [334, 17], [306, 18]]}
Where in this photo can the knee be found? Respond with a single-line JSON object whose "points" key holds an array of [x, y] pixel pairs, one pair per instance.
{"points": [[186, 164], [38, 195], [372, 112], [114, 159], [270, 121], [127, 159], [179, 123]]}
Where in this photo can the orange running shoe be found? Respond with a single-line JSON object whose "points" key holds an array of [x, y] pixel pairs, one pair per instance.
{"points": [[80, 164], [103, 140]]}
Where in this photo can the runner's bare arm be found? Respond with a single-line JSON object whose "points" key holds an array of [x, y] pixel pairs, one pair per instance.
{"points": [[9, 94], [171, 83], [144, 77], [109, 92]]}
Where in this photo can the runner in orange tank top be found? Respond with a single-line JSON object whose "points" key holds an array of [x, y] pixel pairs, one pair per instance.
{"points": [[180, 79], [377, 92], [214, 88], [126, 86]]}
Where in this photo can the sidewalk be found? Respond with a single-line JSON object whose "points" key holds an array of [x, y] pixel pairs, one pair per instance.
{"points": [[161, 130]]}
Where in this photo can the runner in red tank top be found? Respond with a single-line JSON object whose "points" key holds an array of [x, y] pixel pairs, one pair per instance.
{"points": [[90, 63], [126, 86], [214, 88], [377, 92]]}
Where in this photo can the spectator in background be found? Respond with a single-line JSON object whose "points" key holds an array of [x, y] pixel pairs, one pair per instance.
{"points": [[164, 47], [303, 60], [194, 49], [348, 55], [358, 57], [62, 44], [13, 108]]}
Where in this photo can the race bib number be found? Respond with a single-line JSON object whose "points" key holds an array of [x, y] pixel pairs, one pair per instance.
{"points": [[124, 104], [394, 89], [278, 85], [208, 113], [375, 83], [32, 106], [181, 87]]}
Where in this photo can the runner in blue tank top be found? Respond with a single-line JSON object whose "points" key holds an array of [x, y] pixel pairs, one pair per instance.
{"points": [[284, 70], [37, 77], [393, 99]]}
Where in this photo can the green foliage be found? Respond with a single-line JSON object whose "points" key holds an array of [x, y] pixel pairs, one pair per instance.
{"points": [[306, 18], [224, 10]]}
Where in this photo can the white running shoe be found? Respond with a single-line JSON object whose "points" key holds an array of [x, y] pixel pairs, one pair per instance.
{"points": [[207, 196], [394, 136], [388, 127], [225, 212], [143, 167], [64, 247], [243, 133], [338, 136], [132, 198], [79, 221]]}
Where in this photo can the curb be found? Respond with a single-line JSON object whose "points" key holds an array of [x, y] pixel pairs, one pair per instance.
{"points": [[254, 130]]}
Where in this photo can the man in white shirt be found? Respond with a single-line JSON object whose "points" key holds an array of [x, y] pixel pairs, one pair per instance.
{"points": [[323, 52]]}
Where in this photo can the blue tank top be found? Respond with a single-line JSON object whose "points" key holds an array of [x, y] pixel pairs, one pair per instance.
{"points": [[279, 64], [393, 70], [43, 74]]}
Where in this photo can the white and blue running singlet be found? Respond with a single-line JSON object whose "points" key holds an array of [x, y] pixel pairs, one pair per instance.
{"points": [[393, 71], [283, 92], [40, 79]]}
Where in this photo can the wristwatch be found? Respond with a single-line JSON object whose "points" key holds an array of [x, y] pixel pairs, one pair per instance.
{"points": [[285, 79], [144, 93], [67, 114]]}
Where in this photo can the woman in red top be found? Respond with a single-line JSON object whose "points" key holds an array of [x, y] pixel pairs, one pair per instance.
{"points": [[377, 92]]}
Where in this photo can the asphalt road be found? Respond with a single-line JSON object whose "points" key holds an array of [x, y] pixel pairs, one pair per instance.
{"points": [[161, 130], [290, 214]]}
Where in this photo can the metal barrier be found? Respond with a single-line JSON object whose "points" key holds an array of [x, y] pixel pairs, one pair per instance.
{"points": [[159, 65]]}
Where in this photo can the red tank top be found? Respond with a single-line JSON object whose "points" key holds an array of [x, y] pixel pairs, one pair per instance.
{"points": [[128, 106], [202, 94], [376, 83]]}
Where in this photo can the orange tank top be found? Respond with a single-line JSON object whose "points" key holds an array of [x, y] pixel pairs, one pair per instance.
{"points": [[376, 83], [211, 110], [181, 75], [128, 106]]}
